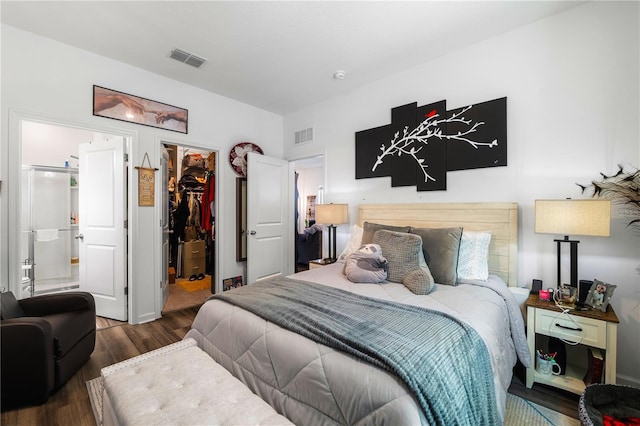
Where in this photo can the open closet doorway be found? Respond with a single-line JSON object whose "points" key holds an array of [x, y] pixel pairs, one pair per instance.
{"points": [[191, 212], [309, 191]]}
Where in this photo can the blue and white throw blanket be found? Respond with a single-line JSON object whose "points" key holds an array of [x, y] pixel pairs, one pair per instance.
{"points": [[441, 359]]}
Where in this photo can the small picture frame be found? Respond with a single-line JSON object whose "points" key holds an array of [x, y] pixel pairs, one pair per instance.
{"points": [[231, 283], [600, 295]]}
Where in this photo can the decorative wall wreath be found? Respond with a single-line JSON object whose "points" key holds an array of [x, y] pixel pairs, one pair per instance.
{"points": [[238, 156]]}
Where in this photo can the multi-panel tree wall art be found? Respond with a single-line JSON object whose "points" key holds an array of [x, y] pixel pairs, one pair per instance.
{"points": [[423, 143]]}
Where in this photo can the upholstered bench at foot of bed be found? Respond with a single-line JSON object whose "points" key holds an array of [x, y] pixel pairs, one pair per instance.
{"points": [[179, 384]]}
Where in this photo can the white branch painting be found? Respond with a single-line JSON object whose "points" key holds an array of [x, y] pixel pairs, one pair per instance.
{"points": [[411, 142]]}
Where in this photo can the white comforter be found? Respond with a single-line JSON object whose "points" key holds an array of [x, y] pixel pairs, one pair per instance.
{"points": [[312, 384]]}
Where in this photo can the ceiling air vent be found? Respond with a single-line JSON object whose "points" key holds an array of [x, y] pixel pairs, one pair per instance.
{"points": [[305, 135], [187, 58]]}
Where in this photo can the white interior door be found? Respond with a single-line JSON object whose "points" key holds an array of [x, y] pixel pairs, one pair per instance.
{"points": [[102, 233], [164, 227], [269, 217]]}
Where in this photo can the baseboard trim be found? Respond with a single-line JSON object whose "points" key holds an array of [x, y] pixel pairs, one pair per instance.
{"points": [[627, 381]]}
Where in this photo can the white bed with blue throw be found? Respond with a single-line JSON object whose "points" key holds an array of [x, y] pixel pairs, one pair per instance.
{"points": [[434, 343]]}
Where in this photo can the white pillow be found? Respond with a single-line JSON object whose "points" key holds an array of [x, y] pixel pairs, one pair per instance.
{"points": [[473, 257], [355, 241]]}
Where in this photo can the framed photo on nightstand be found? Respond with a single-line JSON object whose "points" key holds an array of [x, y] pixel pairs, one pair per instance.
{"points": [[599, 295]]}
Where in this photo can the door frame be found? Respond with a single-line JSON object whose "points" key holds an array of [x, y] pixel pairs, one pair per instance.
{"points": [[216, 277], [161, 190], [9, 254], [306, 159], [293, 162]]}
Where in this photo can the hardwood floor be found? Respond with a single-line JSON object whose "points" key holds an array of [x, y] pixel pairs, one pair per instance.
{"points": [[115, 343], [120, 341], [556, 399]]}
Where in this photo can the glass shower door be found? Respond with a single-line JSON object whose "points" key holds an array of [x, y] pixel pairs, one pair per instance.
{"points": [[50, 224]]}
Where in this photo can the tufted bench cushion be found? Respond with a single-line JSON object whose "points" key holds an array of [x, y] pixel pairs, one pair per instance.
{"points": [[179, 384]]}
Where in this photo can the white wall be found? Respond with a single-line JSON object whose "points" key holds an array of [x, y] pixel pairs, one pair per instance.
{"points": [[572, 90], [47, 145], [41, 76]]}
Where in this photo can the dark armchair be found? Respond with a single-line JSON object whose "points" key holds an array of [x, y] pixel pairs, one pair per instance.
{"points": [[45, 340], [309, 245]]}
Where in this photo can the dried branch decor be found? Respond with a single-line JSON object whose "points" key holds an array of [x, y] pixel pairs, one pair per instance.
{"points": [[622, 188]]}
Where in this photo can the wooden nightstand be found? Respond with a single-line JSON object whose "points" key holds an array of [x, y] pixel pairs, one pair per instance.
{"points": [[591, 328], [318, 263]]}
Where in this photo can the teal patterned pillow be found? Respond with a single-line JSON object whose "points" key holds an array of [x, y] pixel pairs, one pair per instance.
{"points": [[403, 252], [473, 258]]}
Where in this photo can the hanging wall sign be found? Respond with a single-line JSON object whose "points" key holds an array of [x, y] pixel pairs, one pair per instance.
{"points": [[146, 183], [423, 143]]}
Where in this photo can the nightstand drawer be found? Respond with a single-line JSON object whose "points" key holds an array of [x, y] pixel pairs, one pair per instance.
{"points": [[586, 331]]}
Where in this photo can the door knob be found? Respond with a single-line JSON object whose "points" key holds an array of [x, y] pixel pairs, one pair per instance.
{"points": [[79, 237], [252, 232]]}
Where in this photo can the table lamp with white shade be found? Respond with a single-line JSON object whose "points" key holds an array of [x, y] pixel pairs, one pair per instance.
{"points": [[572, 217], [332, 215]]}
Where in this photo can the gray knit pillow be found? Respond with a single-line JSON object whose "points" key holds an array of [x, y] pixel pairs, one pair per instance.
{"points": [[403, 252], [419, 281]]}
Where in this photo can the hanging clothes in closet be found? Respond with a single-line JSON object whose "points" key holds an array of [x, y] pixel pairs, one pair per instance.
{"points": [[208, 198], [192, 214], [188, 213], [188, 230], [207, 218]]}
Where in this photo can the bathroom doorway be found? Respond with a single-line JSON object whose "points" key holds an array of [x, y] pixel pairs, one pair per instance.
{"points": [[49, 206]]}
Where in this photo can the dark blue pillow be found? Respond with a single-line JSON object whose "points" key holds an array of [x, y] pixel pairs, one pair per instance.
{"points": [[9, 306]]}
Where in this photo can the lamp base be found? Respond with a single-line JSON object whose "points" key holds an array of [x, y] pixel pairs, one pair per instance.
{"points": [[573, 258], [332, 243]]}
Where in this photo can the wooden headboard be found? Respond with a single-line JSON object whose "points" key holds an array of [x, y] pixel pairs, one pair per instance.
{"points": [[499, 218]]}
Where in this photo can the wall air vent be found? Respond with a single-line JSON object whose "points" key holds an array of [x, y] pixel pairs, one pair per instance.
{"points": [[187, 58], [305, 135]]}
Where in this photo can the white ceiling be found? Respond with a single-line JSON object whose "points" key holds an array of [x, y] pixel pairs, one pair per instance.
{"points": [[276, 55]]}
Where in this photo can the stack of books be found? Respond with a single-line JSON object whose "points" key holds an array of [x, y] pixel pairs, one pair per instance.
{"points": [[595, 367]]}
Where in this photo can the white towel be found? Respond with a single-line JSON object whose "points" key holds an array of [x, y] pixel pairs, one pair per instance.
{"points": [[46, 234]]}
